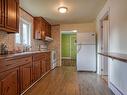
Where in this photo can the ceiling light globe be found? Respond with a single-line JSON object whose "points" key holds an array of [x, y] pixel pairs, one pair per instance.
{"points": [[62, 10]]}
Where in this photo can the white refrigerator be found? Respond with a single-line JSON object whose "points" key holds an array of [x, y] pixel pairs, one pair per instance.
{"points": [[86, 51]]}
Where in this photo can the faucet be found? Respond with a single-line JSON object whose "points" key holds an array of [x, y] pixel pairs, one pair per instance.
{"points": [[26, 48]]}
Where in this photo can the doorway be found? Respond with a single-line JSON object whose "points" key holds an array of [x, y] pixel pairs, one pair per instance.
{"points": [[105, 46], [68, 48]]}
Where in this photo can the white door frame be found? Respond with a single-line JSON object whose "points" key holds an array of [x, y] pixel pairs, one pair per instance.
{"points": [[101, 42]]}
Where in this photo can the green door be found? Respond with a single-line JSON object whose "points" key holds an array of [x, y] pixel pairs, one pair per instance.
{"points": [[73, 47]]}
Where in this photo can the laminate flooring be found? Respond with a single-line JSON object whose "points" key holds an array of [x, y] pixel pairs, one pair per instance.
{"points": [[67, 81]]}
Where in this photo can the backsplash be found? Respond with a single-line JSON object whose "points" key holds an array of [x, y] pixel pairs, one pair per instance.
{"points": [[9, 39]]}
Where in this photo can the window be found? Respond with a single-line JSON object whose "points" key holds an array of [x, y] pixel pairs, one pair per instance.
{"points": [[24, 35]]}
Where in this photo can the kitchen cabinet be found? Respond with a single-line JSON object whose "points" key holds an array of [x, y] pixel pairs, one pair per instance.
{"points": [[26, 76], [9, 82], [48, 61], [43, 67], [9, 20], [18, 72], [1, 13], [48, 29], [37, 70], [41, 28]]}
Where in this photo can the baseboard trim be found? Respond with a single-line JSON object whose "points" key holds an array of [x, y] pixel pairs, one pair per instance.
{"points": [[115, 90], [66, 57], [35, 82]]}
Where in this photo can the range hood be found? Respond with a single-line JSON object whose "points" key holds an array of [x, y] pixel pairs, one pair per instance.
{"points": [[48, 39]]}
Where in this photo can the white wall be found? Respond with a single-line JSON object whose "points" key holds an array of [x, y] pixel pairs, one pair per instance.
{"points": [[82, 27], [118, 38]]}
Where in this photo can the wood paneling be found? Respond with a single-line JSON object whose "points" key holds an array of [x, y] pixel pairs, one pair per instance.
{"points": [[12, 13], [41, 28], [26, 76], [43, 67], [9, 81], [48, 59], [17, 73], [48, 29], [9, 15], [37, 70], [2, 13]]}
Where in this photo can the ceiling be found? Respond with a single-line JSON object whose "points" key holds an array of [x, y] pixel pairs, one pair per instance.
{"points": [[79, 11]]}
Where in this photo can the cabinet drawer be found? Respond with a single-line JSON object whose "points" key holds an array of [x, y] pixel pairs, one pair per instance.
{"points": [[37, 57], [8, 64]]}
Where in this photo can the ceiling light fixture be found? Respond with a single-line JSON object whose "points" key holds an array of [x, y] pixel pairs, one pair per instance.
{"points": [[63, 9]]}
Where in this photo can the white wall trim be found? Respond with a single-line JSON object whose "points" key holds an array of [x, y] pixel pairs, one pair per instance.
{"points": [[66, 57], [103, 12], [115, 90]]}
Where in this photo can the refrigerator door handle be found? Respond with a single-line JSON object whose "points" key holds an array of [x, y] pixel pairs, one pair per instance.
{"points": [[79, 48]]}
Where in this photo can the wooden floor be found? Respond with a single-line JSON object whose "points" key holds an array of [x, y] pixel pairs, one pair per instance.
{"points": [[66, 81]]}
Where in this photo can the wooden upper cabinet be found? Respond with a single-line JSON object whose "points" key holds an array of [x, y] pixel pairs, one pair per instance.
{"points": [[9, 82], [41, 28], [12, 15], [9, 15], [48, 29], [2, 13]]}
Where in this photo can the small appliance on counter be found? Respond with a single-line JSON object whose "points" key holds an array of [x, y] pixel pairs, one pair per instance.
{"points": [[3, 49], [43, 48]]}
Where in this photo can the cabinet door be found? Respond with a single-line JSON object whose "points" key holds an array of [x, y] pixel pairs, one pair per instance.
{"points": [[43, 68], [49, 30], [39, 28], [37, 70], [1, 13], [9, 82], [48, 61], [26, 76], [11, 15]]}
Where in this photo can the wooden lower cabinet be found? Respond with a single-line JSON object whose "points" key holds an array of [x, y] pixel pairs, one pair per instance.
{"points": [[25, 76], [9, 82], [48, 61], [43, 67], [18, 73], [36, 70]]}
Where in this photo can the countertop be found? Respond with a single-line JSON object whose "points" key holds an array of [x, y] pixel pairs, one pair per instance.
{"points": [[21, 54], [117, 56]]}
